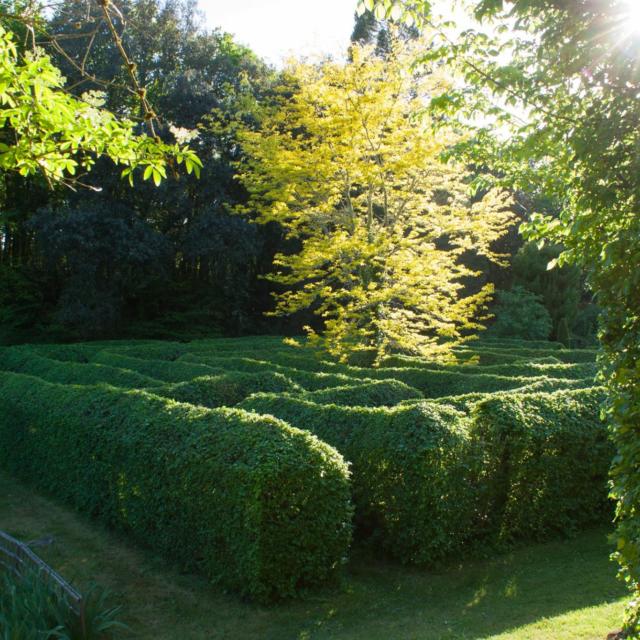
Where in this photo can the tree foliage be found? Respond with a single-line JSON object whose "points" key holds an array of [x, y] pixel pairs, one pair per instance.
{"points": [[562, 78], [210, 260], [382, 224], [520, 314], [48, 131]]}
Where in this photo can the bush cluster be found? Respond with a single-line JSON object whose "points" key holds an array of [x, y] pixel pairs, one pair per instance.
{"points": [[546, 462], [309, 380], [408, 464], [164, 370], [255, 504], [509, 447], [226, 389], [26, 360], [428, 477], [488, 355], [380, 393]]}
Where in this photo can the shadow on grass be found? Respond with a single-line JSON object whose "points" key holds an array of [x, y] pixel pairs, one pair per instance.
{"points": [[473, 600], [378, 600]]}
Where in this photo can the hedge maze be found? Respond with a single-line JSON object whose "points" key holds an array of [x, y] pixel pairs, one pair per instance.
{"points": [[259, 463]]}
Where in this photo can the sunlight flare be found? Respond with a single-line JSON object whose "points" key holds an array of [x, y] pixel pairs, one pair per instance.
{"points": [[631, 13]]}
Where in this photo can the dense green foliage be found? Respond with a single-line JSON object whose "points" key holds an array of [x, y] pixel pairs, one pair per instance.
{"points": [[256, 505], [370, 394], [487, 459], [516, 466], [31, 606], [404, 460], [150, 261], [520, 314], [49, 132], [546, 462], [310, 380], [572, 68], [226, 389], [27, 361]]}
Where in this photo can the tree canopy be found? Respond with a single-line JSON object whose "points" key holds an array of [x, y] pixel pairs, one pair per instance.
{"points": [[46, 130], [355, 177]]}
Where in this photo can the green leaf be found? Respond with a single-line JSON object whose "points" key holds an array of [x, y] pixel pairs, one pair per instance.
{"points": [[396, 12], [380, 12]]}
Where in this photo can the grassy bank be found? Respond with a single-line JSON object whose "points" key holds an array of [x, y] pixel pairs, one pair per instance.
{"points": [[561, 590]]}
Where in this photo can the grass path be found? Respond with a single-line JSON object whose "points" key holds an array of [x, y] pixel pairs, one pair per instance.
{"points": [[562, 591]]}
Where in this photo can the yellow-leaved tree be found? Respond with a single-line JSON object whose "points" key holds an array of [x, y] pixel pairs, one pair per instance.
{"points": [[347, 168]]}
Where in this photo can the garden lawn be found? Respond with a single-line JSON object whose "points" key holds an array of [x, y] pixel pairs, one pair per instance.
{"points": [[556, 591]]}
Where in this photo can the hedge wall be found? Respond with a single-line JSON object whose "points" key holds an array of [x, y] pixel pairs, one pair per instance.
{"points": [[493, 355], [439, 383], [546, 462], [164, 370], [309, 380], [559, 370], [465, 402], [410, 469], [25, 360], [254, 504], [379, 393], [225, 390], [430, 476]]}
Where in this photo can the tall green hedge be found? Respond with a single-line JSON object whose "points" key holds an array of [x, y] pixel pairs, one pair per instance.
{"points": [[256, 505], [431, 476], [165, 370], [434, 384], [226, 389], [26, 360], [528, 369], [546, 461], [379, 393], [309, 380], [494, 355], [410, 468]]}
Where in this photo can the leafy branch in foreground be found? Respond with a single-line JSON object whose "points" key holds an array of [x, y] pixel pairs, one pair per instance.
{"points": [[48, 131]]}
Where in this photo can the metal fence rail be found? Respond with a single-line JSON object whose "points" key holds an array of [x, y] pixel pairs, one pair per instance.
{"points": [[17, 557]]}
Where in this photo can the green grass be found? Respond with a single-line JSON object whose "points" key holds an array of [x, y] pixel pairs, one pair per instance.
{"points": [[564, 590]]}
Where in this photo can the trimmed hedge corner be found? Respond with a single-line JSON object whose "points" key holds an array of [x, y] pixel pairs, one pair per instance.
{"points": [[410, 469], [547, 458], [256, 505]]}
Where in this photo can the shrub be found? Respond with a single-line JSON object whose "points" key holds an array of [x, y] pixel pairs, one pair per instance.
{"points": [[32, 606], [80, 353], [225, 390], [254, 504], [555, 369], [514, 343], [148, 351], [546, 462], [466, 402], [369, 394], [309, 380], [430, 476], [520, 314], [489, 356], [439, 383], [410, 469], [25, 360], [164, 370]]}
